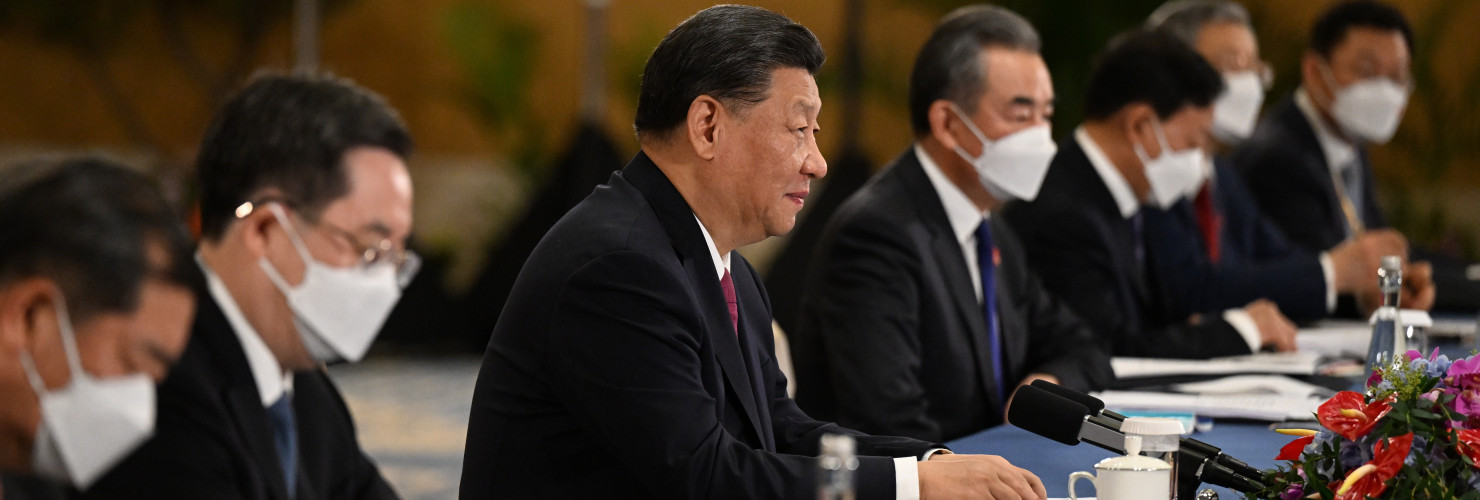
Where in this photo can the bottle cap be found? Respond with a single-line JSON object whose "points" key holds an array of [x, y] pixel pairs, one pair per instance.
{"points": [[1392, 262], [1151, 426]]}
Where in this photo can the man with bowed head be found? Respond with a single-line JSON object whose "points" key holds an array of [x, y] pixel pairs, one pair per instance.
{"points": [[634, 356], [95, 306], [305, 209]]}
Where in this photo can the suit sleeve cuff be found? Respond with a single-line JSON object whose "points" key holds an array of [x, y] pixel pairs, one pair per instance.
{"points": [[906, 478], [1328, 269], [1245, 326]]}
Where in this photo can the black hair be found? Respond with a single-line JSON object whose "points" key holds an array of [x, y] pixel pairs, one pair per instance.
{"points": [[727, 52], [1331, 28], [1152, 67], [96, 228], [290, 133], [1185, 19], [949, 66]]}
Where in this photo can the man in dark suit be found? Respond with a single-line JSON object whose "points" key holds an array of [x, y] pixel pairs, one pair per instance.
{"points": [[1306, 164], [1215, 249], [305, 207], [634, 356], [1147, 114], [900, 334], [95, 304]]}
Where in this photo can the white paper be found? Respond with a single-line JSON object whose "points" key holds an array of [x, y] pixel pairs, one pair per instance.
{"points": [[1336, 339], [1253, 385], [1286, 363], [1267, 407]]}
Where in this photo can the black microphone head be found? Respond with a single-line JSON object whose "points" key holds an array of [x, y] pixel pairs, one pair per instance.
{"points": [[1094, 404], [1046, 414]]}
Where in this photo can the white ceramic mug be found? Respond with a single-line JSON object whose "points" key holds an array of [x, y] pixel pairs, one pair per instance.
{"points": [[1128, 478]]}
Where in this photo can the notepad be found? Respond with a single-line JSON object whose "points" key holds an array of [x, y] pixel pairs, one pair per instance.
{"points": [[1285, 363], [1267, 407]]}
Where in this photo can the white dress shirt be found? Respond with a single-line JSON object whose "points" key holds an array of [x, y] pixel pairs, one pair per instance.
{"points": [[272, 381], [1126, 200], [963, 215], [906, 472]]}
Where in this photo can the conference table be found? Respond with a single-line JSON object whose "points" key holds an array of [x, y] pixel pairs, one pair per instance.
{"points": [[1254, 442]]}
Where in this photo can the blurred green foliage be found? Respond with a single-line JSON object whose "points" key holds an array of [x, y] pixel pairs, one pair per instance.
{"points": [[499, 51]]}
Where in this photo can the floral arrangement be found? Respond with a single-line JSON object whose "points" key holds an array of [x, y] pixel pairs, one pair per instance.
{"points": [[1414, 434]]}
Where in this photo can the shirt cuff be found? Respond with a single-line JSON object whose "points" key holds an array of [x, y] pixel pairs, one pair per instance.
{"points": [[1328, 269], [1244, 324], [906, 478]]}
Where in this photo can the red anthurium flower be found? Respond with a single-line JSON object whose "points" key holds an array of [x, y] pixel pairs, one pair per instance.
{"points": [[1293, 450], [1370, 480], [1349, 416], [1468, 443]]}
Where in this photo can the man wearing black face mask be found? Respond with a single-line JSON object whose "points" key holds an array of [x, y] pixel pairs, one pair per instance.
{"points": [[305, 209], [920, 305], [95, 305]]}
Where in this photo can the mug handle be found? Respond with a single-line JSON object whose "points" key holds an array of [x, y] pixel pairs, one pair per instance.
{"points": [[1077, 476]]}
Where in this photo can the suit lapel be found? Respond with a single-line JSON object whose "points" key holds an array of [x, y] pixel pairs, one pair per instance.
{"points": [[240, 394], [1318, 171], [678, 221], [754, 322], [946, 252]]}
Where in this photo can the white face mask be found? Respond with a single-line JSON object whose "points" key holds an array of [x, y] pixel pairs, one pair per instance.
{"points": [[1237, 110], [92, 423], [1173, 174], [1012, 167], [1369, 110], [337, 311]]}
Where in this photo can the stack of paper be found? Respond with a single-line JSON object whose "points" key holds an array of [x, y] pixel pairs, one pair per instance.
{"points": [[1287, 363], [1271, 407]]}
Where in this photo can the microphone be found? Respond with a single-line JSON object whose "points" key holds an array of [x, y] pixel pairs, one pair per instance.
{"points": [[1037, 410], [1097, 407]]}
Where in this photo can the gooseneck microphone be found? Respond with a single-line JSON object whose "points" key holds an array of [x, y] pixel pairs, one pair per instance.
{"points": [[1037, 410], [1097, 407]]}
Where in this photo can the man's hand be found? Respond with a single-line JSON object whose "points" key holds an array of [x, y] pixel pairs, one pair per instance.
{"points": [[977, 476], [1356, 260], [1275, 330], [1418, 287]]}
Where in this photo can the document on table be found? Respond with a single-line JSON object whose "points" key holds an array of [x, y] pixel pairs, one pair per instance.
{"points": [[1269, 407], [1336, 339], [1286, 363]]}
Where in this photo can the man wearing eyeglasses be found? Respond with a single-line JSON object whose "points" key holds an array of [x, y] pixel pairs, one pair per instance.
{"points": [[1306, 164], [305, 208], [1215, 249]]}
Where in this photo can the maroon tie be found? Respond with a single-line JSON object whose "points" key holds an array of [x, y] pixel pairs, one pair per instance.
{"points": [[729, 287], [1209, 220]]}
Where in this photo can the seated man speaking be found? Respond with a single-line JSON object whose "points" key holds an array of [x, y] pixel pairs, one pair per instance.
{"points": [[633, 358]]}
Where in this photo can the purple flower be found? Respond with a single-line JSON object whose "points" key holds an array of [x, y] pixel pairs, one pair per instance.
{"points": [[1466, 402], [1464, 374], [1294, 492], [1353, 454]]}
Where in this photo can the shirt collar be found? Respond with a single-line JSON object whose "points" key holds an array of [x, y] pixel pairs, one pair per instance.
{"points": [[272, 381], [1125, 199], [721, 262], [960, 211], [1339, 153]]}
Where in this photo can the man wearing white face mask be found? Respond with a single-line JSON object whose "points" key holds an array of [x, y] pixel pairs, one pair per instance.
{"points": [[305, 208], [921, 315], [1306, 163], [1216, 249], [1148, 113], [95, 301]]}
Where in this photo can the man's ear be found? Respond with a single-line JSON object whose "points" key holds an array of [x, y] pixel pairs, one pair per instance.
{"points": [[27, 312], [253, 222], [941, 118], [1136, 123], [1310, 77], [703, 125]]}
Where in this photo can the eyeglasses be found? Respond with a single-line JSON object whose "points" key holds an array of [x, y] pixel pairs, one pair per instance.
{"points": [[405, 261]]}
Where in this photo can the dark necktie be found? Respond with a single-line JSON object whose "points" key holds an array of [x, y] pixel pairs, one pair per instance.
{"points": [[1138, 232], [1209, 221], [1351, 180], [285, 439], [986, 262], [728, 285]]}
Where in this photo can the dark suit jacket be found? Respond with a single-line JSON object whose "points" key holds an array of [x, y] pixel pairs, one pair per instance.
{"points": [[614, 371], [1255, 261], [1085, 252], [213, 438], [1286, 172], [893, 340]]}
